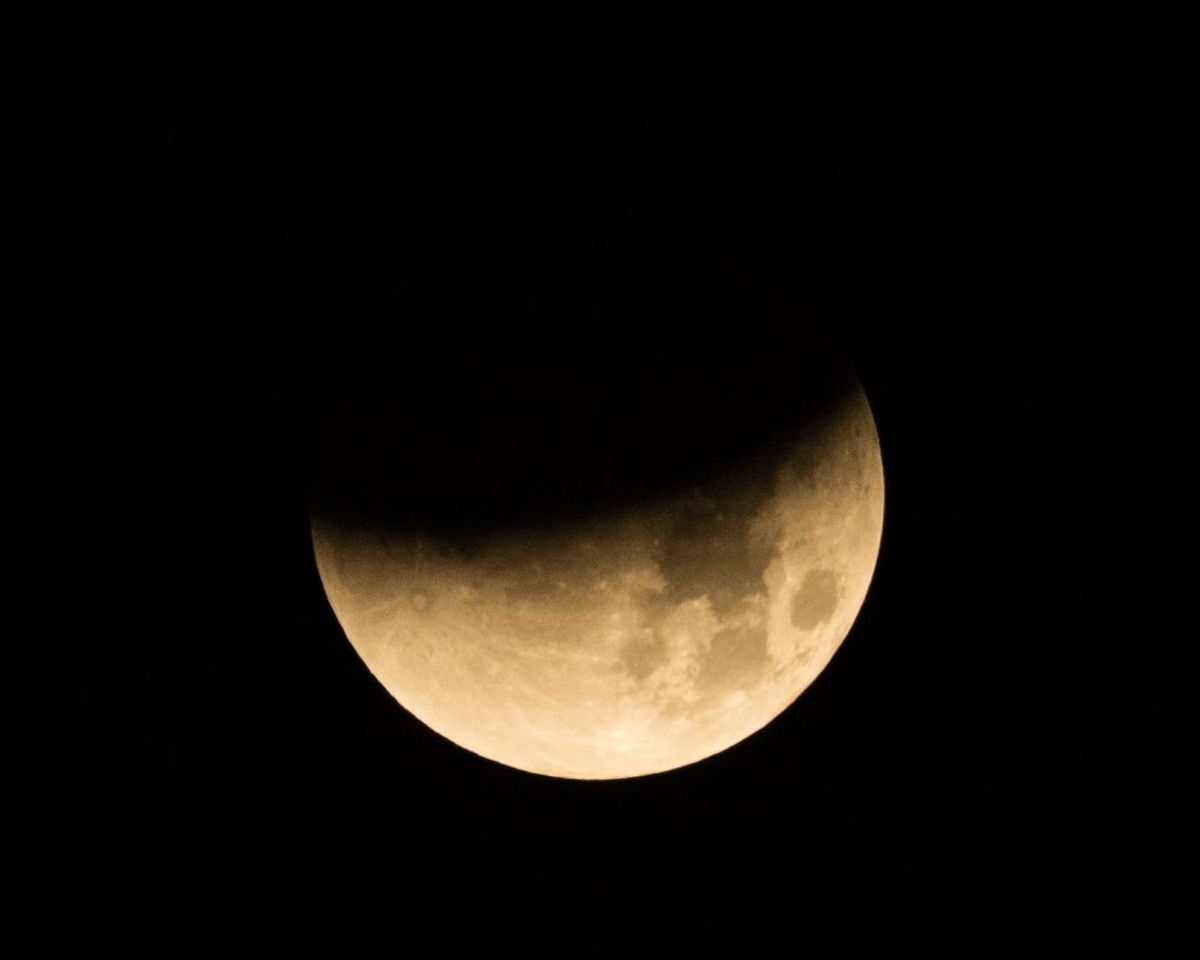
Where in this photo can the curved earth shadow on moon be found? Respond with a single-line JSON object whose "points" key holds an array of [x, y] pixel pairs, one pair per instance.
{"points": [[603, 555], [534, 382]]}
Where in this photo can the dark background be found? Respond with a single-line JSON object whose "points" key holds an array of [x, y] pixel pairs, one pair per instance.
{"points": [[241, 233]]}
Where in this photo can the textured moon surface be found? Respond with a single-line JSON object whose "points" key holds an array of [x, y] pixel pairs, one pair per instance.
{"points": [[629, 644]]}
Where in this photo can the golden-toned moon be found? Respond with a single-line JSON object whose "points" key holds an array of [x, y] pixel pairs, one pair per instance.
{"points": [[633, 644]]}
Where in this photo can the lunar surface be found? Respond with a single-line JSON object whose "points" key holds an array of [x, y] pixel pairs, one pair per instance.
{"points": [[629, 644]]}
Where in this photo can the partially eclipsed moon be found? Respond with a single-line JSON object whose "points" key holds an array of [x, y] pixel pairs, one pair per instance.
{"points": [[633, 644]]}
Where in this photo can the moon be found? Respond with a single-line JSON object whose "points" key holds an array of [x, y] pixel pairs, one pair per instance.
{"points": [[631, 642]]}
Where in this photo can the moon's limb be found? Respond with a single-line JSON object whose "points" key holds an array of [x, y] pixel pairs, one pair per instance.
{"points": [[632, 645]]}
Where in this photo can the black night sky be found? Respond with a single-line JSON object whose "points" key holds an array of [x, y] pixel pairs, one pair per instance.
{"points": [[451, 239]]}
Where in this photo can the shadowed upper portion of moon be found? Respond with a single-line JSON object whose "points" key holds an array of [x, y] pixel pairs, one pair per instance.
{"points": [[511, 391]]}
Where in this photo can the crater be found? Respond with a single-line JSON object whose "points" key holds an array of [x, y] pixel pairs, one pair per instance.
{"points": [[816, 600]]}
